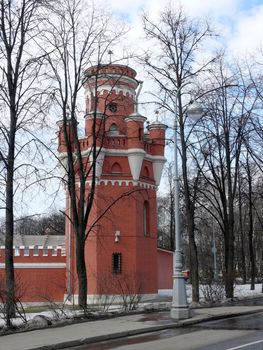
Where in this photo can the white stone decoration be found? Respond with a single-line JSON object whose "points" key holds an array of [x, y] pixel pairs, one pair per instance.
{"points": [[135, 117], [99, 163], [135, 157], [99, 159], [158, 164]]}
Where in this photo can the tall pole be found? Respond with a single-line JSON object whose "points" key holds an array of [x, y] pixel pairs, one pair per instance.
{"points": [[214, 251], [180, 309]]}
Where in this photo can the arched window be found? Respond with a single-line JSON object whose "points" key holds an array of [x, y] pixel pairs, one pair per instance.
{"points": [[113, 127], [116, 168], [146, 172], [146, 218], [113, 130]]}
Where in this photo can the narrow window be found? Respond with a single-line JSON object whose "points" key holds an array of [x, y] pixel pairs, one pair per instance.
{"points": [[113, 130], [17, 251], [35, 251], [141, 134], [116, 262], [146, 172], [146, 218], [113, 127], [116, 168], [26, 251]]}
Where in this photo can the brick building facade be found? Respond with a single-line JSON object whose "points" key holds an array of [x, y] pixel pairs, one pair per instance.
{"points": [[122, 247], [121, 251]]}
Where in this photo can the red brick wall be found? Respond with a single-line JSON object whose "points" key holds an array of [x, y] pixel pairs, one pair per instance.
{"points": [[38, 278], [165, 269], [139, 252]]}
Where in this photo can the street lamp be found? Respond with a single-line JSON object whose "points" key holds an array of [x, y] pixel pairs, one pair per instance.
{"points": [[180, 308]]}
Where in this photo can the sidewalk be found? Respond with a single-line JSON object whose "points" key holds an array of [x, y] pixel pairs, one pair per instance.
{"points": [[94, 331]]}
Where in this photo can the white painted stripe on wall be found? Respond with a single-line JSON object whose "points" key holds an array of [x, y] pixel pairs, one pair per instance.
{"points": [[36, 265]]}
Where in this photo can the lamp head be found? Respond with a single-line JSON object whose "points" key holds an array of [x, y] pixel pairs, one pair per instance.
{"points": [[117, 236], [195, 111]]}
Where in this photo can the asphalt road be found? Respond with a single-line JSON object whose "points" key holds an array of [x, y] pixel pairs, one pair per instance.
{"points": [[243, 332]]}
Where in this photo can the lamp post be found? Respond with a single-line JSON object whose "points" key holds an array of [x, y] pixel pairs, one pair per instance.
{"points": [[180, 308]]}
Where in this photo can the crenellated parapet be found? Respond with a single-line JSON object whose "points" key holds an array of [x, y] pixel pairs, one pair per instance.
{"points": [[110, 84]]}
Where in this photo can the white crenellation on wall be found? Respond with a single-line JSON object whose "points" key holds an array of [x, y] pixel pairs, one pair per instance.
{"points": [[121, 182]]}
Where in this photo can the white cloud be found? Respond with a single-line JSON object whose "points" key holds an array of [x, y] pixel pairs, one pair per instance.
{"points": [[241, 30], [215, 8], [247, 35]]}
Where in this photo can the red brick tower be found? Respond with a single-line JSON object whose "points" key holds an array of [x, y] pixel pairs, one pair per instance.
{"points": [[121, 250]]}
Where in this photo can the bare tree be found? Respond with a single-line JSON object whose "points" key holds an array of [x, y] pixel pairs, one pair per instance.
{"points": [[20, 101], [227, 125], [240, 227], [250, 195], [174, 66], [51, 224], [77, 38]]}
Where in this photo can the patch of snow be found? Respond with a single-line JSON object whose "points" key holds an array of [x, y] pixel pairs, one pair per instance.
{"points": [[241, 291]]}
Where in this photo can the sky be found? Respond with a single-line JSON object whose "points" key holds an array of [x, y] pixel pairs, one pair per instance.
{"points": [[239, 23]]}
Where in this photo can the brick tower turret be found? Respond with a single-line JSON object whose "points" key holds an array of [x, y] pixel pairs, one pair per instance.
{"points": [[121, 250]]}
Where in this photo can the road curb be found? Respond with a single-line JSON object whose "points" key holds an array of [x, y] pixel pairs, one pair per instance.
{"points": [[143, 330]]}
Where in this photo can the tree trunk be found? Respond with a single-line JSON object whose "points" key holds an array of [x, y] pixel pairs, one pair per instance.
{"points": [[243, 260], [252, 260], [172, 222], [9, 227], [229, 221], [229, 261], [193, 259], [81, 271], [250, 232]]}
